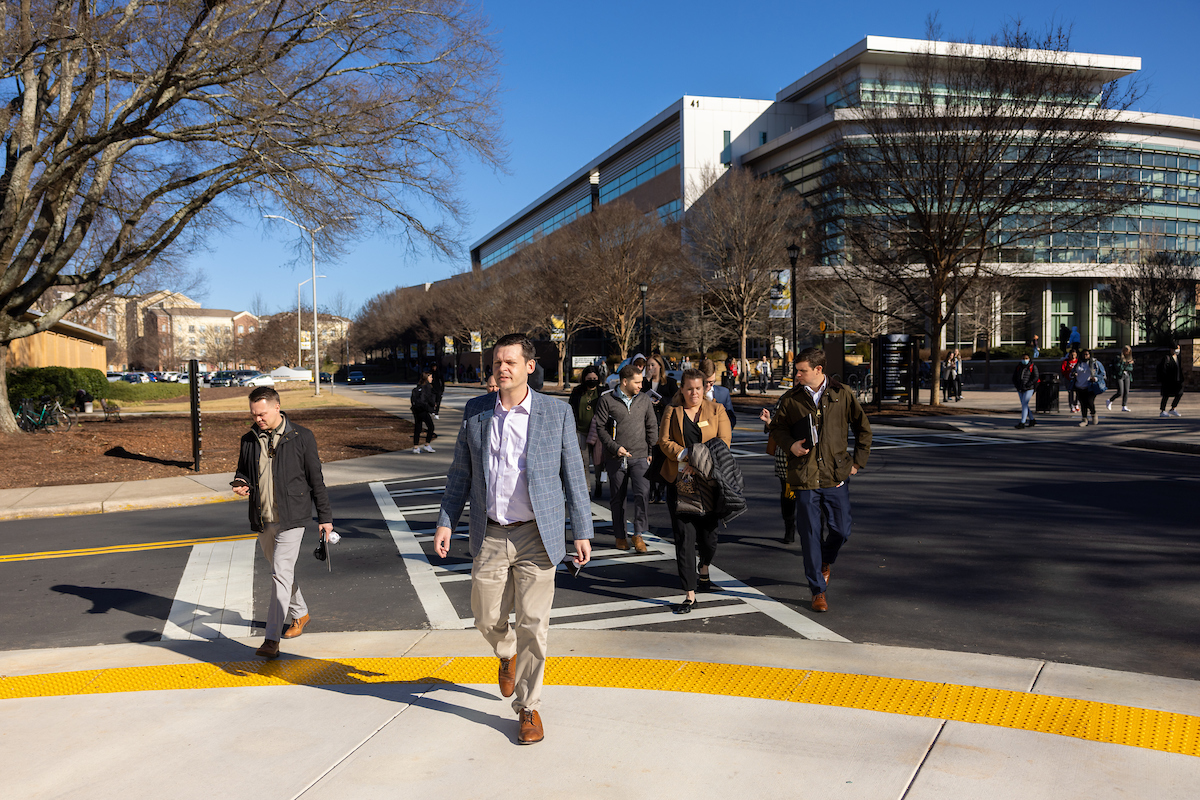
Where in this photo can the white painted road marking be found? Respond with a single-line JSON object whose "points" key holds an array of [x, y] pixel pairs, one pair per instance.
{"points": [[215, 598]]}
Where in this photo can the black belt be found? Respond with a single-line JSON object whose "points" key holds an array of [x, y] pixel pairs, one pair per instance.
{"points": [[509, 525]]}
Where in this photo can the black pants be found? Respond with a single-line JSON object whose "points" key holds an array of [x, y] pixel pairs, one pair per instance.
{"points": [[1087, 402], [787, 505], [422, 418], [1122, 390], [691, 533], [621, 484], [437, 403], [1174, 395]]}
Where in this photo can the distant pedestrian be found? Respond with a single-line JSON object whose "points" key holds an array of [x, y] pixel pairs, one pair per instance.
{"points": [[439, 389], [422, 403], [662, 389], [719, 394], [1074, 341], [685, 364], [947, 375], [538, 379], [956, 361], [813, 424], [1025, 380], [492, 386], [279, 469], [583, 406], [628, 428], [1064, 338], [764, 374], [1067, 368], [1122, 378], [515, 463], [1088, 378], [1036, 350], [1170, 382]]}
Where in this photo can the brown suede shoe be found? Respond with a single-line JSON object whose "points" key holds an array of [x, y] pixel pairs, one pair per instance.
{"points": [[269, 649], [296, 628], [622, 544], [638, 544], [825, 574], [508, 677], [531, 727], [819, 603]]}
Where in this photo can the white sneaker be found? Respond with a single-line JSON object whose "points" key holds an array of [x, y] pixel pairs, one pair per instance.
{"points": [[428, 448], [416, 451], [1125, 408], [1163, 415], [1174, 413], [435, 416], [1108, 405]]}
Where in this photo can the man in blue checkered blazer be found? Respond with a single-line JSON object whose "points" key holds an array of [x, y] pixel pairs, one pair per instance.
{"points": [[517, 462]]}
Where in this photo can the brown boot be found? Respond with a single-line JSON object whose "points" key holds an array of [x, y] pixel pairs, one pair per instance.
{"points": [[531, 727], [819, 603], [638, 544], [269, 649], [508, 676], [622, 544], [296, 628]]}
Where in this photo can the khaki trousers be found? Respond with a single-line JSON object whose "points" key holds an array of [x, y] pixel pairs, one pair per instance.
{"points": [[512, 572], [281, 547]]}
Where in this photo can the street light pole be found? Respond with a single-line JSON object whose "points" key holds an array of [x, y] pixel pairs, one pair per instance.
{"points": [[793, 251], [645, 343], [566, 346]]}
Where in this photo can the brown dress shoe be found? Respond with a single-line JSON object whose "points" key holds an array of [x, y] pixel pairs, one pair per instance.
{"points": [[638, 544], [269, 649], [531, 727], [296, 628], [622, 544], [819, 603], [825, 574], [508, 677]]}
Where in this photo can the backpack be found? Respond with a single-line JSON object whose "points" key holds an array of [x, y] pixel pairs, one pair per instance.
{"points": [[417, 401]]}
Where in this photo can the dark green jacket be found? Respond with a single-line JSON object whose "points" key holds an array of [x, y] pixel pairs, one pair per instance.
{"points": [[840, 412]]}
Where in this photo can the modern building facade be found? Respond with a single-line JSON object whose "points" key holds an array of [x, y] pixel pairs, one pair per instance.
{"points": [[1061, 280]]}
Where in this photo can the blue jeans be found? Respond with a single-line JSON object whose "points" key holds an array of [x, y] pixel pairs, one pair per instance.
{"points": [[810, 504], [1026, 396]]}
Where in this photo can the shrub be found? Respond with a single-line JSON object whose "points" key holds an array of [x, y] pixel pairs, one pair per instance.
{"points": [[92, 381], [33, 382], [141, 392]]}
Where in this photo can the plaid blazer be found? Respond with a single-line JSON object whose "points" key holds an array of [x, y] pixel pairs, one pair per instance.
{"points": [[553, 468]]}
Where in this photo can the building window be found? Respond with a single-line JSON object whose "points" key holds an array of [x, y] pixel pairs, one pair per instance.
{"points": [[252, 331], [241, 328], [650, 168], [762, 137], [191, 328], [1063, 299], [1106, 321], [670, 212]]}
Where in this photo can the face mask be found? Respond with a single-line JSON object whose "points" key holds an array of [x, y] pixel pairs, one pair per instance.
{"points": [[591, 382], [1025, 361], [1175, 353], [709, 393]]}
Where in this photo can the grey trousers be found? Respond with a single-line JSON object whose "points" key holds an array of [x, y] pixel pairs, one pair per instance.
{"points": [[281, 547], [512, 572], [620, 485]]}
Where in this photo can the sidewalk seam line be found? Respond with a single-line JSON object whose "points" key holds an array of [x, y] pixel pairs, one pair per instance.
{"points": [[1036, 675], [932, 744]]}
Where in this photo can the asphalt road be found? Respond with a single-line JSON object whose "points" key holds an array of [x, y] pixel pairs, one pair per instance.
{"points": [[1054, 550]]}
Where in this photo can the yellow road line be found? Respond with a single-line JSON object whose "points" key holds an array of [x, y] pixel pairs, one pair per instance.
{"points": [[123, 548], [1080, 719]]}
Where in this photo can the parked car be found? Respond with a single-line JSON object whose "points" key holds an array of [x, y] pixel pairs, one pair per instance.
{"points": [[137, 377], [115, 377], [356, 377], [258, 379], [172, 377], [223, 378]]}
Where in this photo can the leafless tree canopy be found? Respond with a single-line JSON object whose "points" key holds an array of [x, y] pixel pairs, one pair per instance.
{"points": [[133, 126], [1158, 293], [959, 158], [738, 229]]}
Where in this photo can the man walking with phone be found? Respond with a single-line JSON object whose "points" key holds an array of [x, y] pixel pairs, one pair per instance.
{"points": [[515, 459], [280, 471], [628, 429]]}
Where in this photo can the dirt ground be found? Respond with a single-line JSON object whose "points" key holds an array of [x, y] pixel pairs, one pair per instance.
{"points": [[160, 446]]}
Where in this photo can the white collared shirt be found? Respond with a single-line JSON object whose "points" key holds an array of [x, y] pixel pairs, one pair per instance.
{"points": [[508, 445], [815, 394]]}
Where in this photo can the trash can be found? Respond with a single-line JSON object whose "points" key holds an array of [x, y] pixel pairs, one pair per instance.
{"points": [[1046, 394]]}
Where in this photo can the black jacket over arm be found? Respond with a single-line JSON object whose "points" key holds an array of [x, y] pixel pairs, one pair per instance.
{"points": [[296, 470]]}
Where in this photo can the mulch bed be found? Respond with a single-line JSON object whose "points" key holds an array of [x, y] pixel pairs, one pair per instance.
{"points": [[160, 446]]}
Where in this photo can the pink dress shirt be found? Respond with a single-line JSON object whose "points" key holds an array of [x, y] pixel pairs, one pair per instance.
{"points": [[507, 485]]}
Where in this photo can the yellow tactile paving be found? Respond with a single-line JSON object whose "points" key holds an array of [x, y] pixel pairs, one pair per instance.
{"points": [[1080, 719], [122, 548]]}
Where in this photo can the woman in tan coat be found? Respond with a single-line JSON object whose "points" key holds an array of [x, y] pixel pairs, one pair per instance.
{"points": [[688, 420]]}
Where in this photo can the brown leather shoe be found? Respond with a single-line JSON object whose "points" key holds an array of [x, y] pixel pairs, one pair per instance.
{"points": [[825, 574], [296, 628], [622, 544], [638, 544], [269, 649], [531, 727], [819, 603], [508, 677]]}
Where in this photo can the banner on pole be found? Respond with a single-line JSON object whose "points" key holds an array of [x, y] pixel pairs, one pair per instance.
{"points": [[558, 329], [305, 340], [448, 345], [476, 342], [430, 351], [412, 351], [781, 295]]}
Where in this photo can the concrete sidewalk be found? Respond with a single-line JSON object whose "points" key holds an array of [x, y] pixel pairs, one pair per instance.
{"points": [[627, 715]]}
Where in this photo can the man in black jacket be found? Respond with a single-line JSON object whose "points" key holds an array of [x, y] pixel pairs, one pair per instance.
{"points": [[1170, 381], [628, 429], [422, 403], [280, 471]]}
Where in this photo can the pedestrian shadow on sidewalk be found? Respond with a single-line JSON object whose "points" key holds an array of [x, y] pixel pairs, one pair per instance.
{"points": [[153, 606], [121, 452]]}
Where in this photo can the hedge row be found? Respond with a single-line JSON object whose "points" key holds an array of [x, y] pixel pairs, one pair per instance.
{"points": [[65, 381]]}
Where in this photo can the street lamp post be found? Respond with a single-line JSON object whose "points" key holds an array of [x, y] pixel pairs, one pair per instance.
{"points": [[299, 286], [566, 346], [645, 342], [793, 251]]}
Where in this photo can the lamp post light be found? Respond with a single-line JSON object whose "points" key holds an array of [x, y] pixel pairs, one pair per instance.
{"points": [[566, 346], [793, 251], [645, 342], [299, 286]]}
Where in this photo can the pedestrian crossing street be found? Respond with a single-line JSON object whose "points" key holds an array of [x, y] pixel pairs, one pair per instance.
{"points": [[611, 592]]}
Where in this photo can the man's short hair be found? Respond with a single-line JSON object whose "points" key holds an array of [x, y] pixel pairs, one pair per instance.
{"points": [[815, 357], [627, 372], [521, 339], [264, 393], [708, 367], [692, 375]]}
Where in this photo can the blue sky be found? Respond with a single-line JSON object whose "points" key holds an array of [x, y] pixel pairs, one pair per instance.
{"points": [[578, 77]]}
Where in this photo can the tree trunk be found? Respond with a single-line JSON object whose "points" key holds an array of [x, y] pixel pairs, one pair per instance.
{"points": [[562, 365], [8, 423], [742, 360], [935, 362]]}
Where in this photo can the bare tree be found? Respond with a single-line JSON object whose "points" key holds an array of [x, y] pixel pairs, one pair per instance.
{"points": [[738, 229], [966, 152], [1152, 292], [135, 129]]}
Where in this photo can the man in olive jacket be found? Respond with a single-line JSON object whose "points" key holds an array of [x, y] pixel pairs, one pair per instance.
{"points": [[819, 471], [280, 471]]}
